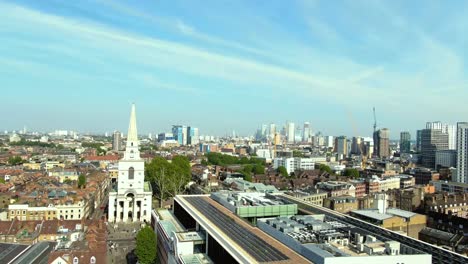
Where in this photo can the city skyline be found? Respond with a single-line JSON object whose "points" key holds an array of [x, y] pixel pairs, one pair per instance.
{"points": [[77, 66]]}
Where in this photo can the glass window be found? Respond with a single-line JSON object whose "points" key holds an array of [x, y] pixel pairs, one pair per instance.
{"points": [[131, 173]]}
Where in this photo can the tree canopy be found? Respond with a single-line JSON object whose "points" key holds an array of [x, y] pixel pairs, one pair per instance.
{"points": [[282, 171], [298, 154], [325, 168], [146, 246], [351, 172], [81, 181], [168, 178], [214, 158], [15, 160]]}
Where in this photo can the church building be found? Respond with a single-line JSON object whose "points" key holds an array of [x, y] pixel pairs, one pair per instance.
{"points": [[130, 199]]}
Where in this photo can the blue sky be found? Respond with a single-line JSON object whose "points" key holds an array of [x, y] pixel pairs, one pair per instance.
{"points": [[232, 65]]}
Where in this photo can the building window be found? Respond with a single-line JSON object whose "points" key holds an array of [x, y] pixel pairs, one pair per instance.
{"points": [[92, 260], [131, 173]]}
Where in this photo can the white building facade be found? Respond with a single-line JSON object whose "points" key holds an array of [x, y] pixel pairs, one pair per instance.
{"points": [[292, 164], [462, 153], [130, 200]]}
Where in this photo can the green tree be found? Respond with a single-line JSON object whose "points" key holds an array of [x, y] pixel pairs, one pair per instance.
{"points": [[282, 171], [351, 172], [15, 160], [146, 246], [258, 169], [325, 168], [159, 173], [2, 180], [298, 153], [248, 177], [82, 181], [182, 175]]}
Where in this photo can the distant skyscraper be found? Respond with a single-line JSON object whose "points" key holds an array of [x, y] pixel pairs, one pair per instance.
{"points": [[117, 141], [405, 142], [418, 140], [180, 134], [291, 132], [462, 153], [356, 146], [341, 145], [306, 133], [434, 125], [193, 136], [382, 143], [264, 131], [432, 140], [272, 131], [451, 130]]}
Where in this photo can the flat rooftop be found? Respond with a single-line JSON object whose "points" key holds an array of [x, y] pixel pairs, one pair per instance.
{"points": [[246, 239], [10, 251]]}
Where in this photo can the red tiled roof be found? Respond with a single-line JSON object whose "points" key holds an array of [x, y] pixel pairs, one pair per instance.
{"points": [[103, 158]]}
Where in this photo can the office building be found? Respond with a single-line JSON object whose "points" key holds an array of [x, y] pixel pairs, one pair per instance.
{"points": [[272, 131], [117, 141], [405, 142], [418, 140], [180, 134], [130, 199], [451, 130], [193, 136], [293, 164], [462, 152], [291, 132], [382, 143], [445, 158], [356, 146], [432, 140], [307, 132], [341, 146], [329, 142]]}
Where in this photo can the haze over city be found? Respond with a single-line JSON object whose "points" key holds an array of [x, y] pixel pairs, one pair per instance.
{"points": [[78, 65]]}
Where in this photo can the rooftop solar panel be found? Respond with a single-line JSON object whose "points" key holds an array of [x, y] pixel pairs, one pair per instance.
{"points": [[258, 248]]}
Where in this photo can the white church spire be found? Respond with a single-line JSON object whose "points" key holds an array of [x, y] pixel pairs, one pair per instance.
{"points": [[131, 150], [132, 127]]}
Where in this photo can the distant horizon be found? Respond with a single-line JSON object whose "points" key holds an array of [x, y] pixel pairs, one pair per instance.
{"points": [[233, 66]]}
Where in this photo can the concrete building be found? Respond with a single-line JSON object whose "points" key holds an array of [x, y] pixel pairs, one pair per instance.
{"points": [[432, 140], [382, 143], [329, 142], [356, 146], [445, 158], [326, 241], [293, 164], [117, 141], [405, 142], [307, 132], [291, 132], [272, 131], [451, 131], [450, 187], [462, 153], [311, 195], [341, 146], [201, 227], [341, 204], [131, 198], [393, 219], [376, 184], [418, 140], [336, 188]]}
